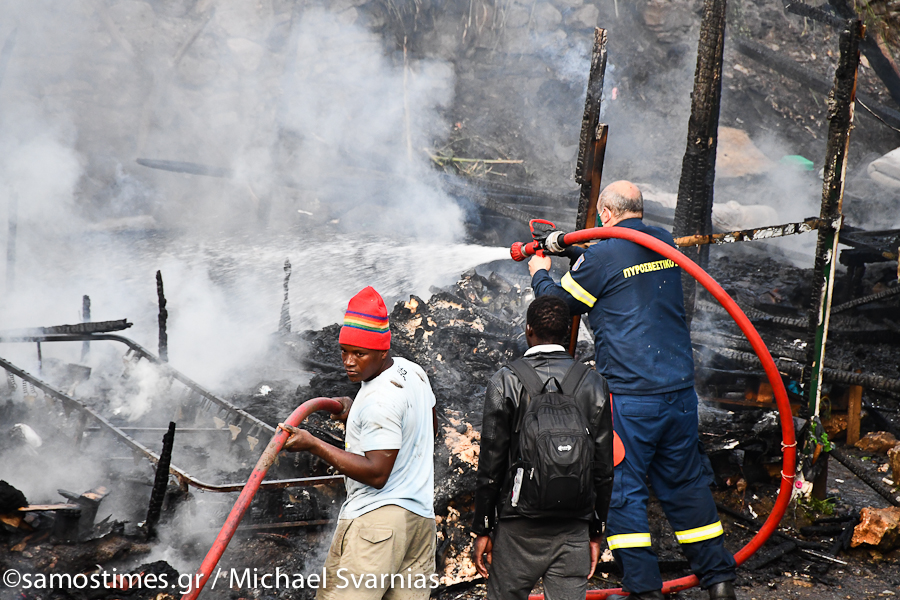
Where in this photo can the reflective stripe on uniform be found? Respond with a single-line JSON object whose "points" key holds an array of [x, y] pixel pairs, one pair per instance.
{"points": [[569, 284], [707, 532], [628, 540]]}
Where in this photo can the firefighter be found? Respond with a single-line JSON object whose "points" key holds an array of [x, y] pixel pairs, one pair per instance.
{"points": [[634, 304]]}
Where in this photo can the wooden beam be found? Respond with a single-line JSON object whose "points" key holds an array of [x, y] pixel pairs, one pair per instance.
{"points": [[840, 121], [854, 413], [591, 152], [693, 211]]}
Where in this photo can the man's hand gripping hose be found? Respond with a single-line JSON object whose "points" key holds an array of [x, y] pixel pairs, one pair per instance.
{"points": [[259, 472], [520, 251]]}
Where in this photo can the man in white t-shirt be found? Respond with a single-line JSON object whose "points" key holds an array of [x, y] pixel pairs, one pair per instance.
{"points": [[384, 543]]}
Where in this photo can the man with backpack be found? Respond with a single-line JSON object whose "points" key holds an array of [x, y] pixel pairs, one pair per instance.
{"points": [[545, 466]]}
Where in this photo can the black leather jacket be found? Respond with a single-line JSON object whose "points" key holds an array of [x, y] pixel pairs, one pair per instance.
{"points": [[503, 401]]}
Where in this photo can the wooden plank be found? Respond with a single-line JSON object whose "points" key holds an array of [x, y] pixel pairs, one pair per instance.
{"points": [[854, 410], [37, 507]]}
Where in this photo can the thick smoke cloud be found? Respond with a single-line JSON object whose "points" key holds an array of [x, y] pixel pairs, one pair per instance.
{"points": [[319, 123]]}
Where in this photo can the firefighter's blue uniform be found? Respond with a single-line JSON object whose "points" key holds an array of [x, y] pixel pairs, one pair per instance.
{"points": [[634, 303]]}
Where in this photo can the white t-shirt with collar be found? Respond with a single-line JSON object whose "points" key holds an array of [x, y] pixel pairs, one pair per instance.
{"points": [[393, 412]]}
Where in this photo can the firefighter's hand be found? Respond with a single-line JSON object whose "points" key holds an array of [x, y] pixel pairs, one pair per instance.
{"points": [[595, 554], [539, 263], [540, 230], [300, 438], [346, 403], [484, 547]]}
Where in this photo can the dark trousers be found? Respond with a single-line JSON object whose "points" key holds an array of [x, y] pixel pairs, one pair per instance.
{"points": [[659, 433], [527, 549]]}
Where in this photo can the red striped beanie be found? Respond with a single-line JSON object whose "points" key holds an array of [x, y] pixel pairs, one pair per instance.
{"points": [[366, 322]]}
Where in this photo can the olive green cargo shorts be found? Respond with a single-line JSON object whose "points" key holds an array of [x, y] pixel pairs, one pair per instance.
{"points": [[386, 553]]}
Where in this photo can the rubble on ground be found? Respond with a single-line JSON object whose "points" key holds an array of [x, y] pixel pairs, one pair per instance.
{"points": [[877, 442], [879, 528]]}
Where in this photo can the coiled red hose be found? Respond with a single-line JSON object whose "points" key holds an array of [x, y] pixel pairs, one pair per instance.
{"points": [[243, 502], [520, 251]]}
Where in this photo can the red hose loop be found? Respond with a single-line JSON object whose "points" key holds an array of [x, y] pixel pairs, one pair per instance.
{"points": [[789, 443], [243, 502]]}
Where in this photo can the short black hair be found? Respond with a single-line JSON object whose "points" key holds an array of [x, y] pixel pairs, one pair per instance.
{"points": [[550, 319]]}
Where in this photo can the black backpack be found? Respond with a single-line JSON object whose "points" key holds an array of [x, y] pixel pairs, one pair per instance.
{"points": [[551, 474]]}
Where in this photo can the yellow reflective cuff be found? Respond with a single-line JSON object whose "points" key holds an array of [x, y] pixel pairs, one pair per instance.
{"points": [[569, 284], [628, 540], [707, 532]]}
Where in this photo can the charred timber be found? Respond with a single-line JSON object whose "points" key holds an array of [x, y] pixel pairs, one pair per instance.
{"points": [[872, 481], [77, 329], [815, 13], [756, 524], [591, 153], [592, 141], [764, 558], [795, 369], [781, 351], [160, 482], [866, 300], [162, 319], [840, 121], [693, 211], [751, 235], [790, 69]]}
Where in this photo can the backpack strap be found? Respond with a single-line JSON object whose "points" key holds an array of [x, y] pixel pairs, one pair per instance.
{"points": [[528, 376], [573, 378]]}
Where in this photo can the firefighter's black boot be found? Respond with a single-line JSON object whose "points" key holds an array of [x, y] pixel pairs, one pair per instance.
{"points": [[724, 590]]}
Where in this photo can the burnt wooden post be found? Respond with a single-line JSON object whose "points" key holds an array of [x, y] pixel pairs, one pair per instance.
{"points": [[160, 482], [591, 151], [284, 323], [854, 413], [840, 120], [85, 318], [592, 141], [841, 103], [693, 212], [162, 319]]}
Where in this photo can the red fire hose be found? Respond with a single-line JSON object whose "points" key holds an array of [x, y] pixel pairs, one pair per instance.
{"points": [[243, 501], [520, 251]]}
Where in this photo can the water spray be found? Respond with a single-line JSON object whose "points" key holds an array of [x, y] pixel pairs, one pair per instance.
{"points": [[548, 238]]}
